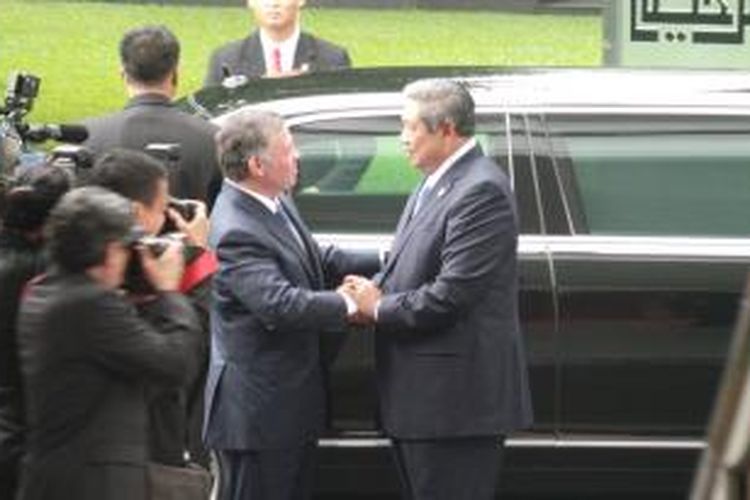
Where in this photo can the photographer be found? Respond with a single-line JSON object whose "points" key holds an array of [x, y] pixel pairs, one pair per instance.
{"points": [[29, 199], [86, 355], [175, 412]]}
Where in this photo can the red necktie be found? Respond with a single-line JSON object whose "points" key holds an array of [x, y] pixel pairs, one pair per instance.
{"points": [[276, 60]]}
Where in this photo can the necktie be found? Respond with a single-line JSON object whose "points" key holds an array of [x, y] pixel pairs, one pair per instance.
{"points": [[424, 191], [281, 212], [276, 60]]}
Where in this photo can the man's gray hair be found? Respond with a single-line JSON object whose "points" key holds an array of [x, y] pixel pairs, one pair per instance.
{"points": [[443, 100], [243, 136]]}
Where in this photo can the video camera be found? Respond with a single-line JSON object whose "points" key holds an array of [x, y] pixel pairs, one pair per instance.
{"points": [[16, 134]]}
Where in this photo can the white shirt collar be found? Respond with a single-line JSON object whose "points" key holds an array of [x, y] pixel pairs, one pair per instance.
{"points": [[434, 177], [269, 203], [288, 49]]}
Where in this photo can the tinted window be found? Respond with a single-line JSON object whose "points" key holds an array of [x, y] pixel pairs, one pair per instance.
{"points": [[354, 176], [650, 175]]}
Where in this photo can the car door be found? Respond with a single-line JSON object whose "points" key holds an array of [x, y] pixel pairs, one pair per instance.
{"points": [[649, 277]]}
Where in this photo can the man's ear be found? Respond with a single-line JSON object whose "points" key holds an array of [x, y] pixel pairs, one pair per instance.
{"points": [[447, 128], [255, 167], [139, 210]]}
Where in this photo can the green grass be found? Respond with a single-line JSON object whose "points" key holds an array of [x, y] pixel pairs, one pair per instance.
{"points": [[73, 46]]}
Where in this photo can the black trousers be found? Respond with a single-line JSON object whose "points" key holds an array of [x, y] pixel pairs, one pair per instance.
{"points": [[267, 474], [448, 469]]}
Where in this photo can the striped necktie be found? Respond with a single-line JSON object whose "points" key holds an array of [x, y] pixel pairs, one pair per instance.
{"points": [[422, 195], [281, 212], [276, 60]]}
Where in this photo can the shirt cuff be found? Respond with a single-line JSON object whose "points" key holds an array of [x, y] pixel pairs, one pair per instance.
{"points": [[351, 306], [375, 311]]}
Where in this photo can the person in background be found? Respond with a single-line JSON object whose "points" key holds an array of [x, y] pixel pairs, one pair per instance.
{"points": [[277, 48], [150, 57], [86, 355], [29, 199], [450, 361]]}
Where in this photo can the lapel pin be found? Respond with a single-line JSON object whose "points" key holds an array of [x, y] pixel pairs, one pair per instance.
{"points": [[441, 192]]}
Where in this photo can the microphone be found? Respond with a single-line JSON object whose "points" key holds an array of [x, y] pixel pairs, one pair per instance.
{"points": [[64, 133]]}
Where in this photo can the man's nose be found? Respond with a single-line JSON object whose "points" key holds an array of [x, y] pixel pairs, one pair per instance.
{"points": [[404, 138]]}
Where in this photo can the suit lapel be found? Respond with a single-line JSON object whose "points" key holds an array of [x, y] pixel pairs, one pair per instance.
{"points": [[306, 53], [310, 254], [252, 57], [277, 227], [407, 225], [408, 209]]}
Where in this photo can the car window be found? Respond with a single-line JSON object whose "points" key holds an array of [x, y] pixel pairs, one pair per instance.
{"points": [[655, 175], [354, 176]]}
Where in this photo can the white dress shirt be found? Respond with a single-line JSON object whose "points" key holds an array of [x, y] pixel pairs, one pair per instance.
{"points": [[288, 49]]}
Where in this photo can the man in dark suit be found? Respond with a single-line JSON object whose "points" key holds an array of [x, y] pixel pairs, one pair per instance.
{"points": [[86, 356], [277, 48], [271, 317], [450, 361], [150, 57]]}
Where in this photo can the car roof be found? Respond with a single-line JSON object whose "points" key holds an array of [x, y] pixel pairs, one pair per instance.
{"points": [[378, 89]]}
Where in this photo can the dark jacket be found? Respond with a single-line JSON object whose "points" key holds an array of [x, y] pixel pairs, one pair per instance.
{"points": [[20, 260], [152, 118], [176, 413], [449, 355], [86, 357], [270, 313], [245, 57]]}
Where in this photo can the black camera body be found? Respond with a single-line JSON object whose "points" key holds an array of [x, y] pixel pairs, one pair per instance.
{"points": [[22, 90], [77, 161], [187, 210]]}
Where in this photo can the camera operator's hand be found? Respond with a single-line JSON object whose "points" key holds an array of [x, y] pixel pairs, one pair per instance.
{"points": [[163, 272], [196, 229]]}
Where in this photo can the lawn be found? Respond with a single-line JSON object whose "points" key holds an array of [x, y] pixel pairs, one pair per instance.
{"points": [[73, 46]]}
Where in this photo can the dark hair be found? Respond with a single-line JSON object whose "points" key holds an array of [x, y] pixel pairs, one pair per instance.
{"points": [[243, 136], [83, 223], [443, 100], [31, 195], [148, 54], [129, 173]]}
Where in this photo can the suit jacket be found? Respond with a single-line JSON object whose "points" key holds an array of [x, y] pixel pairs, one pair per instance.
{"points": [[270, 313], [449, 356], [152, 118], [245, 57], [85, 358]]}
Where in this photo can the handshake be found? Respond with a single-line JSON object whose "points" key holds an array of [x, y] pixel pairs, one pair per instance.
{"points": [[363, 293]]}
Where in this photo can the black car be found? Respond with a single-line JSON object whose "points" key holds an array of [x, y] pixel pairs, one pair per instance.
{"points": [[634, 196]]}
